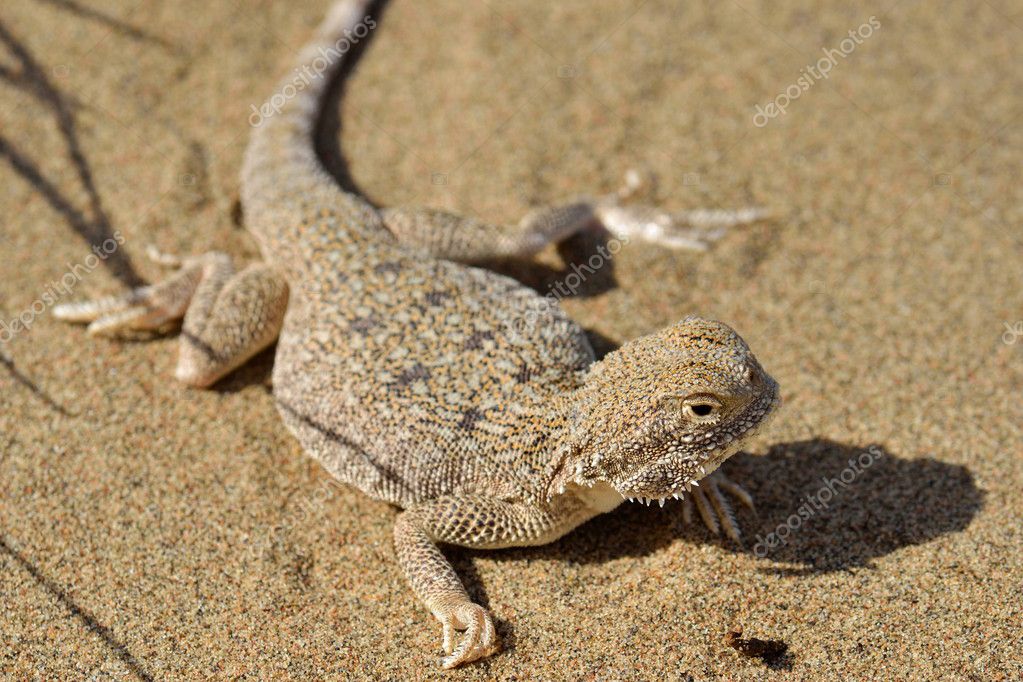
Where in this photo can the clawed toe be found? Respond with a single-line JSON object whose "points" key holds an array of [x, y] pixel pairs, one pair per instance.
{"points": [[146, 308], [693, 230], [135, 318], [90, 311], [479, 640], [138, 310], [714, 509]]}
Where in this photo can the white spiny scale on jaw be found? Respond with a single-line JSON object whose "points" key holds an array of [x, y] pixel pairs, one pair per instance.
{"points": [[666, 410]]}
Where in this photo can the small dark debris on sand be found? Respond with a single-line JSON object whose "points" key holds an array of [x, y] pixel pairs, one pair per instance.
{"points": [[768, 650]]}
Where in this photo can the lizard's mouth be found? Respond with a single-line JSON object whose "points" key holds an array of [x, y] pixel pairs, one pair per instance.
{"points": [[701, 471], [675, 477]]}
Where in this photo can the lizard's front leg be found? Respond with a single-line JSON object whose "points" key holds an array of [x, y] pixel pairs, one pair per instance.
{"points": [[713, 507], [469, 521]]}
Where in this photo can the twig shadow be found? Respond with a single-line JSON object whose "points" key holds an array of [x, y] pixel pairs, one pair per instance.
{"points": [[34, 388], [78, 612], [121, 27], [95, 228]]}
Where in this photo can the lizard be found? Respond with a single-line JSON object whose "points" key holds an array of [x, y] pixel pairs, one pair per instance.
{"points": [[459, 395]]}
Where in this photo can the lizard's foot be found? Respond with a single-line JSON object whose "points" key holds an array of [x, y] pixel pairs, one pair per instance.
{"points": [[145, 308], [227, 317], [479, 640], [694, 230], [713, 507]]}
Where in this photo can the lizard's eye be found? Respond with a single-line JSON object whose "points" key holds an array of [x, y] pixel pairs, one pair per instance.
{"points": [[701, 408]]}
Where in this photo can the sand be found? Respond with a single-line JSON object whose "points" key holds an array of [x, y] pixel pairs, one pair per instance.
{"points": [[152, 532]]}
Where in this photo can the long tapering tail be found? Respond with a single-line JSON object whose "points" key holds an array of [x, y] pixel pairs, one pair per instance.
{"points": [[281, 158]]}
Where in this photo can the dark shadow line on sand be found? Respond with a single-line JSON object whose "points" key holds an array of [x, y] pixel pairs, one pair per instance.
{"points": [[33, 387], [86, 618], [110, 22], [95, 229]]}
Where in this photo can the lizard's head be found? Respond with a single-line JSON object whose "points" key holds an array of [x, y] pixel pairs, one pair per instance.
{"points": [[665, 410]]}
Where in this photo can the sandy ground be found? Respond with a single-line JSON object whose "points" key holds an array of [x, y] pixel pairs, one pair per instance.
{"points": [[152, 532]]}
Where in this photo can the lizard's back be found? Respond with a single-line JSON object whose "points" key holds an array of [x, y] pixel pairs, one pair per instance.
{"points": [[402, 374]]}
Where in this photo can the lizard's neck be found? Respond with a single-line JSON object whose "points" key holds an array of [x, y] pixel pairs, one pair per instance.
{"points": [[566, 478], [568, 445]]}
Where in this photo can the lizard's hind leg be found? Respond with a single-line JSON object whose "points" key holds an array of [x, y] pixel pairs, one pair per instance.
{"points": [[694, 230], [467, 240], [228, 316], [144, 308]]}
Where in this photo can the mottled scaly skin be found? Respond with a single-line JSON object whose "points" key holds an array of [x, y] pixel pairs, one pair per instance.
{"points": [[453, 392]]}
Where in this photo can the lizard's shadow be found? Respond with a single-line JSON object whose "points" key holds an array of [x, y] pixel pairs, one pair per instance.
{"points": [[822, 506], [587, 267], [857, 502]]}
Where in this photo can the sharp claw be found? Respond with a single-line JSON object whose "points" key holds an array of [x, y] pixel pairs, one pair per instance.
{"points": [[479, 640], [161, 258], [732, 530], [449, 637], [489, 638], [739, 492], [706, 513], [725, 513]]}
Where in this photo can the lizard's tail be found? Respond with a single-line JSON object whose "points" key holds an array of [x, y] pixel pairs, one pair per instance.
{"points": [[281, 161]]}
